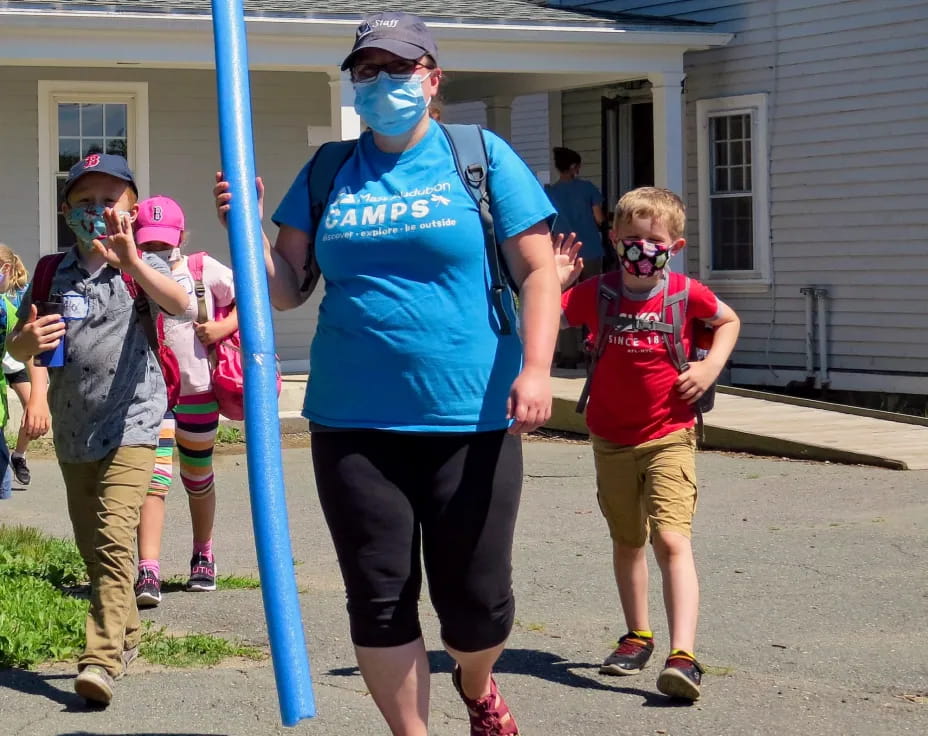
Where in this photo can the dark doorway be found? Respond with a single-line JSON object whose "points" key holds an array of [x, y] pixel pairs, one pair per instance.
{"points": [[627, 146]]}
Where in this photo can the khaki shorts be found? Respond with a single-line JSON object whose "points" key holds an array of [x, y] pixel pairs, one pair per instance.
{"points": [[651, 486]]}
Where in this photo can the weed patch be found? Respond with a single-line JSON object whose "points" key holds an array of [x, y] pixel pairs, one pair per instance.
{"points": [[192, 650], [38, 622], [226, 435], [177, 583]]}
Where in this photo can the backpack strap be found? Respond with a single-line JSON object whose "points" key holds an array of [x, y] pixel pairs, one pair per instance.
{"points": [[195, 266], [151, 324], [5, 305], [43, 275], [675, 313], [676, 303], [470, 158], [606, 298], [320, 179]]}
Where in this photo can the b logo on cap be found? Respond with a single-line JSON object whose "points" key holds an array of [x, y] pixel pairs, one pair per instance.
{"points": [[363, 30], [157, 214], [92, 160]]}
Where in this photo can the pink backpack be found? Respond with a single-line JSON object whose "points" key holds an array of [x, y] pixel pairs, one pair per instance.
{"points": [[226, 354]]}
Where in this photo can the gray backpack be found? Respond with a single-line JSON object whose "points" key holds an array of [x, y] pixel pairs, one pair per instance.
{"points": [[676, 295]]}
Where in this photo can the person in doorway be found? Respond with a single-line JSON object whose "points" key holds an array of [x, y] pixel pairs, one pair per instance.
{"points": [[579, 206], [417, 397]]}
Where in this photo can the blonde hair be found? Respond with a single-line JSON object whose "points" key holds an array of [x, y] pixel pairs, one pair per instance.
{"points": [[19, 276], [653, 203]]}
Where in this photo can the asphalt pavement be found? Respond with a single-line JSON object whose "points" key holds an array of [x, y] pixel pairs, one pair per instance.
{"points": [[814, 614]]}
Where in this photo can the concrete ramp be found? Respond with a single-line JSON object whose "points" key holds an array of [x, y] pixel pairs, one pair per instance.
{"points": [[769, 424]]}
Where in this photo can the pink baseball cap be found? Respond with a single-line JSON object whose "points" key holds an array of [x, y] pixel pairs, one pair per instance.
{"points": [[160, 218]]}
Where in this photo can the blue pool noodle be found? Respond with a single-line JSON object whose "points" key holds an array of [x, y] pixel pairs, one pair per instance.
{"points": [[262, 424]]}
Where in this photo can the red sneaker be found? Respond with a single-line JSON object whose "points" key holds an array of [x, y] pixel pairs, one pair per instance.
{"points": [[489, 715]]}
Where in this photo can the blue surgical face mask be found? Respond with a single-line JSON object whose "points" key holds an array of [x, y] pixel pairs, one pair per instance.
{"points": [[390, 106], [87, 224]]}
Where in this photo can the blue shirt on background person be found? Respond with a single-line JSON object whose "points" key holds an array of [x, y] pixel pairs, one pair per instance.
{"points": [[574, 200], [579, 206]]}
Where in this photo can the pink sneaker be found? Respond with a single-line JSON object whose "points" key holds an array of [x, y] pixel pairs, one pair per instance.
{"points": [[489, 715]]}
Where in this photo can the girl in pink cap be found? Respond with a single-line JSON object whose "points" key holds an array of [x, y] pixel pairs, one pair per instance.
{"points": [[193, 422]]}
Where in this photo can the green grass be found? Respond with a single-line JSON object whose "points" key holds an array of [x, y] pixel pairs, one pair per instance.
{"points": [[226, 435], [223, 582], [25, 551], [192, 650], [40, 622], [237, 582]]}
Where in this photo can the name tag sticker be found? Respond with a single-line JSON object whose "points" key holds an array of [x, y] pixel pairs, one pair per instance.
{"points": [[74, 306]]}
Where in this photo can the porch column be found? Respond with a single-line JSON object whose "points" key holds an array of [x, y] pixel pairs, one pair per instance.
{"points": [[667, 99], [499, 115], [346, 123]]}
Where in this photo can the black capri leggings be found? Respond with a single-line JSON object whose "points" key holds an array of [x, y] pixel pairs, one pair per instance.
{"points": [[385, 494]]}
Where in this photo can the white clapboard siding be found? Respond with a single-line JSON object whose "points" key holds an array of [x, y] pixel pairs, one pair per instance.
{"points": [[184, 156], [847, 86]]}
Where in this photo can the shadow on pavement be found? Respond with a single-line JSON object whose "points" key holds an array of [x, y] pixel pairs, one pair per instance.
{"points": [[545, 666], [35, 683]]}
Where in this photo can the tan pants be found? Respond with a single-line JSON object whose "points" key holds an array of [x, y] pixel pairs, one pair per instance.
{"points": [[646, 488], [104, 501]]}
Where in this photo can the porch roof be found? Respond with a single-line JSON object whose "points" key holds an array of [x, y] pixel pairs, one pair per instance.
{"points": [[494, 47], [532, 11]]}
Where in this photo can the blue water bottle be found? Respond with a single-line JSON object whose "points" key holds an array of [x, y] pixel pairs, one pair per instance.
{"points": [[51, 358]]}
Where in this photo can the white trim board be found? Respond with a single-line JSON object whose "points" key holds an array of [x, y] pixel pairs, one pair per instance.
{"points": [[756, 106], [50, 93]]}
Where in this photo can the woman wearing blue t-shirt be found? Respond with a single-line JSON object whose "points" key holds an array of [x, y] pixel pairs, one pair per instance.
{"points": [[416, 397]]}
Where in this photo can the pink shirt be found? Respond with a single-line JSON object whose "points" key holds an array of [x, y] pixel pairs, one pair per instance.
{"points": [[179, 334]]}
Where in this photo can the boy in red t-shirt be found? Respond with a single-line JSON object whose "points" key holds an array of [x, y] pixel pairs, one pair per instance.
{"points": [[641, 419]]}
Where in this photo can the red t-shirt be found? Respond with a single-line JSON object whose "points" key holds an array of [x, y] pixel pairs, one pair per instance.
{"points": [[632, 395]]}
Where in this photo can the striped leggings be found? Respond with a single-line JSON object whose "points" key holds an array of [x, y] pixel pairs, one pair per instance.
{"points": [[192, 427]]}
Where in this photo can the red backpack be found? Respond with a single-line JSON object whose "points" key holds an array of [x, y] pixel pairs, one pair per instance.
{"points": [[154, 327], [228, 375]]}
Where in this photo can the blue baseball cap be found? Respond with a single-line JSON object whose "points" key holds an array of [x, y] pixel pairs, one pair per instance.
{"points": [[402, 34], [110, 164]]}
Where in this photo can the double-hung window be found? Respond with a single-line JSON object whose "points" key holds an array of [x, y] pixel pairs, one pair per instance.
{"points": [[77, 119], [734, 240]]}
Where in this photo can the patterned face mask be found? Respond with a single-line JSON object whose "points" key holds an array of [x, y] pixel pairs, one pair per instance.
{"points": [[87, 224], [642, 258]]}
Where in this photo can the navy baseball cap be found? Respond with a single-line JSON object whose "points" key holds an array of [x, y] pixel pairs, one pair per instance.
{"points": [[110, 164], [399, 33]]}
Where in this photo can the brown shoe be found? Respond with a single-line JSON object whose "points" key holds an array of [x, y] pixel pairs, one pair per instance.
{"points": [[94, 684], [489, 715]]}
